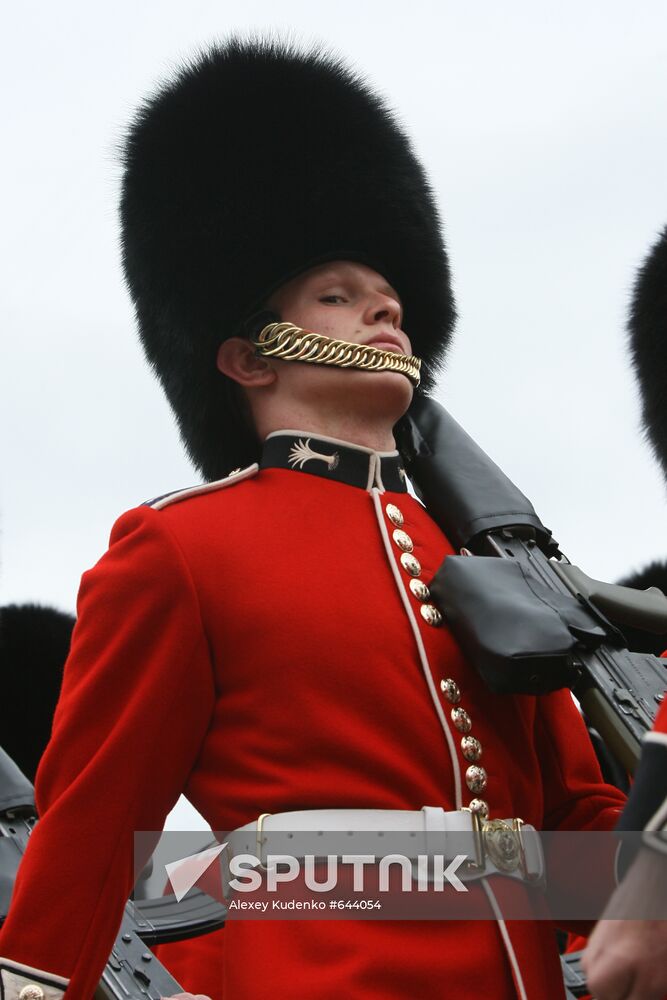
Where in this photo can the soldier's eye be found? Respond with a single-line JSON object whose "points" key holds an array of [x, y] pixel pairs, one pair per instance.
{"points": [[332, 298]]}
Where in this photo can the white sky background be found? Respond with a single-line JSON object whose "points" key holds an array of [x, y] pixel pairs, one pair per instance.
{"points": [[542, 128]]}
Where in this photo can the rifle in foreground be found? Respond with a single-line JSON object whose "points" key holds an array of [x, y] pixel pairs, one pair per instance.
{"points": [[529, 620], [132, 971]]}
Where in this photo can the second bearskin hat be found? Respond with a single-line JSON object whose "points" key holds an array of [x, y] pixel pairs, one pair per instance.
{"points": [[647, 327], [253, 163], [34, 643]]}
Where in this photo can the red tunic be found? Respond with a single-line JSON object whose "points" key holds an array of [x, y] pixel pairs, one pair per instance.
{"points": [[257, 648]]}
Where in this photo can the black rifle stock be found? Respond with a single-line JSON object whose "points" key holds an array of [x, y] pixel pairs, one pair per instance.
{"points": [[537, 623]]}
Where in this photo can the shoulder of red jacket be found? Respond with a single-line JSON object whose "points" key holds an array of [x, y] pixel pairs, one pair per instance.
{"points": [[177, 496]]}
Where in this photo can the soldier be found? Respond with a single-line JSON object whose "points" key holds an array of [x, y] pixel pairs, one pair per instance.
{"points": [[266, 642], [648, 349], [627, 959]]}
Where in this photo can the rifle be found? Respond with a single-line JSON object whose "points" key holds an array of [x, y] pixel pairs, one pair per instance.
{"points": [[132, 971], [529, 620]]}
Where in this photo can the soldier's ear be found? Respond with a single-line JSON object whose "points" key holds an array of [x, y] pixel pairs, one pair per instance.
{"points": [[237, 360]]}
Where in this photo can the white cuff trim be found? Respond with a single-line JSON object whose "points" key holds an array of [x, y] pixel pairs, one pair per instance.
{"points": [[652, 736]]}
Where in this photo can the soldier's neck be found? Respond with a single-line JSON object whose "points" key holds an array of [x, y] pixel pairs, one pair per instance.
{"points": [[377, 438], [370, 426]]}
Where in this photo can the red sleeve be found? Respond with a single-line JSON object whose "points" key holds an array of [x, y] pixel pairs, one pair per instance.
{"points": [[576, 797], [135, 705]]}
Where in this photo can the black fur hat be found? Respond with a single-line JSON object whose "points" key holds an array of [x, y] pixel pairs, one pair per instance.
{"points": [[254, 163], [647, 326], [34, 643]]}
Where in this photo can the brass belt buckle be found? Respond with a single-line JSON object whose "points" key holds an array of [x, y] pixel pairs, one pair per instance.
{"points": [[503, 844], [501, 841]]}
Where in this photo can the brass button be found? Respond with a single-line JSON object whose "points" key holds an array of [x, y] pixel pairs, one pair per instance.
{"points": [[430, 614], [402, 539], [476, 778], [480, 807], [394, 514], [410, 564], [461, 720], [450, 689], [420, 590], [471, 748], [31, 992]]}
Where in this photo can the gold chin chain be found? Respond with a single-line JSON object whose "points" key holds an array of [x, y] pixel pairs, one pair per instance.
{"points": [[291, 343]]}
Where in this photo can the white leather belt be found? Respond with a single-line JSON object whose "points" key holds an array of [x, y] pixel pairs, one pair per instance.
{"points": [[506, 847]]}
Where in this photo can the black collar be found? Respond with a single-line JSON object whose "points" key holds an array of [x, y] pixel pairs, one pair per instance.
{"points": [[333, 459]]}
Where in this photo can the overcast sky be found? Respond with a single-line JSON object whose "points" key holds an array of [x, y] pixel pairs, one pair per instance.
{"points": [[542, 127]]}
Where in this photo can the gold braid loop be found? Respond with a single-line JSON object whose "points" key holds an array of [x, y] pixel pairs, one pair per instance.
{"points": [[291, 343]]}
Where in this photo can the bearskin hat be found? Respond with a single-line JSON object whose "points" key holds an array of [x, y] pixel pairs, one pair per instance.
{"points": [[255, 162], [647, 328], [34, 643]]}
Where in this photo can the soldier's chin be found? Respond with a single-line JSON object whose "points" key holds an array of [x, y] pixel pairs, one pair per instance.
{"points": [[371, 394], [382, 391]]}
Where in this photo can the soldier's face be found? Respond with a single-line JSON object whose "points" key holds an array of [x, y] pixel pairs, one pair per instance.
{"points": [[347, 301]]}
